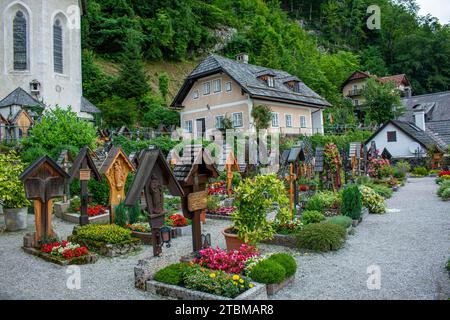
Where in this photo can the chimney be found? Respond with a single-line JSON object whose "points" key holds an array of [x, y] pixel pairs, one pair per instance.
{"points": [[419, 117], [242, 57], [408, 92]]}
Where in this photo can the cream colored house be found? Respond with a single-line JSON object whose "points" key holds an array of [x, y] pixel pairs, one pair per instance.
{"points": [[222, 88]]}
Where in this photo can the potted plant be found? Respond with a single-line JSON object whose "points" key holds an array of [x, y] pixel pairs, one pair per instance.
{"points": [[12, 192], [254, 201]]}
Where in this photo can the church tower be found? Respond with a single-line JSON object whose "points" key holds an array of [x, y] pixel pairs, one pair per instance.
{"points": [[40, 52]]}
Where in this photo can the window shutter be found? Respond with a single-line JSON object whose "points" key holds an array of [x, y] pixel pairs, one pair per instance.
{"points": [[58, 47], [20, 41]]}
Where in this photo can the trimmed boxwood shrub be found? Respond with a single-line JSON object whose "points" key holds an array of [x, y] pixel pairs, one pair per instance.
{"points": [[108, 233], [342, 221], [351, 202], [268, 272], [309, 217], [286, 261], [383, 191], [172, 274], [321, 237]]}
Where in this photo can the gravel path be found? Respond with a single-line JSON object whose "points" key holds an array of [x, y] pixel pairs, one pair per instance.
{"points": [[410, 245]]}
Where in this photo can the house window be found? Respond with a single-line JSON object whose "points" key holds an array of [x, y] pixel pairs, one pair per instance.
{"points": [[20, 41], [296, 87], [356, 102], [288, 121], [237, 119], [217, 85], [195, 94], [188, 126], [219, 122], [392, 136], [302, 122], [275, 122], [206, 88], [58, 47], [270, 81], [228, 87]]}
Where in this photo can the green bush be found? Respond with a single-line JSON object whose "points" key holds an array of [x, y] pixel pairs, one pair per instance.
{"points": [[286, 261], [342, 221], [172, 274], [268, 272], [420, 171], [351, 202], [321, 237], [402, 167], [108, 233], [442, 187], [382, 190], [315, 204], [309, 217], [134, 213], [75, 203], [324, 200], [121, 215], [446, 194], [372, 200], [12, 192]]}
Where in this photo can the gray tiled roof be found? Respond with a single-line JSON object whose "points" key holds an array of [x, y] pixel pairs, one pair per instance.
{"points": [[20, 97], [88, 107], [436, 105], [441, 129], [426, 138], [247, 76]]}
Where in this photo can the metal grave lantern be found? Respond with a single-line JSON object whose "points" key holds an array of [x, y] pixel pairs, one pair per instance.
{"points": [[152, 175], [116, 168], [192, 172], [84, 169], [44, 180]]}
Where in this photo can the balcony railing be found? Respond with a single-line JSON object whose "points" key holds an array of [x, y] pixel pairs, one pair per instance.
{"points": [[355, 92]]}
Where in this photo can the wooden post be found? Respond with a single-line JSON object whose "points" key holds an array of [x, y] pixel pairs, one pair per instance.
{"points": [[84, 218], [229, 180]]}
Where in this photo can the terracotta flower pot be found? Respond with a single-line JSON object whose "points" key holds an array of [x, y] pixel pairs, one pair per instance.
{"points": [[232, 240]]}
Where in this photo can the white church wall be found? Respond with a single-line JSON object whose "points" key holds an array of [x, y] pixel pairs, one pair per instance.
{"points": [[56, 89]]}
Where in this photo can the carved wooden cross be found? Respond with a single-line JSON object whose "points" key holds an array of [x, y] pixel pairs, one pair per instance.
{"points": [[44, 180], [116, 168]]}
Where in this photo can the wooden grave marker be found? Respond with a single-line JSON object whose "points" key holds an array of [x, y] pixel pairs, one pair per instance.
{"points": [[44, 180], [116, 168], [192, 172], [84, 168], [153, 173]]}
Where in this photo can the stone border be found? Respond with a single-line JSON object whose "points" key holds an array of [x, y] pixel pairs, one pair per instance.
{"points": [[289, 241], [145, 237], [108, 249], [274, 288], [181, 231], [218, 217], [75, 218], [258, 292], [90, 258]]}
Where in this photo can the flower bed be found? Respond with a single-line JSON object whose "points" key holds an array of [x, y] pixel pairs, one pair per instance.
{"points": [[107, 240], [372, 201], [222, 213], [142, 231], [63, 253], [217, 188]]}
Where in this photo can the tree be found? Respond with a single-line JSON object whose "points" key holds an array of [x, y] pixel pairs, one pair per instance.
{"points": [[382, 101], [262, 116], [163, 82], [132, 82], [58, 129], [117, 112]]}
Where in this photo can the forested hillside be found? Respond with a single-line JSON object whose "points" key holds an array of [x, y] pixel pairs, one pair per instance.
{"points": [[322, 42]]}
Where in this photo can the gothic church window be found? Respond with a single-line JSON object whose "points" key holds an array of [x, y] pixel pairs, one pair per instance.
{"points": [[58, 47], [20, 41]]}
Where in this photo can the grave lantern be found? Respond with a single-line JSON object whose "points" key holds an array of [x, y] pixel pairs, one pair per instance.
{"points": [[154, 173], [84, 169], [192, 172], [116, 168], [44, 180]]}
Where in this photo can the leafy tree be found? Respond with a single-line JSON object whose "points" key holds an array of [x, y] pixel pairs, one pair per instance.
{"points": [[262, 116], [164, 85], [118, 111], [97, 85], [382, 101], [58, 129]]}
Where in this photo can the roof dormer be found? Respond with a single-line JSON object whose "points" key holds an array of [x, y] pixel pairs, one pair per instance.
{"points": [[268, 76], [293, 83]]}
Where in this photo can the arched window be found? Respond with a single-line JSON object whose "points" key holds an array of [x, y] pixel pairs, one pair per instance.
{"points": [[58, 47], [20, 41]]}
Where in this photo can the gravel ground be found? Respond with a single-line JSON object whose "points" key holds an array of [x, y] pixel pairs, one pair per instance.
{"points": [[410, 245]]}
